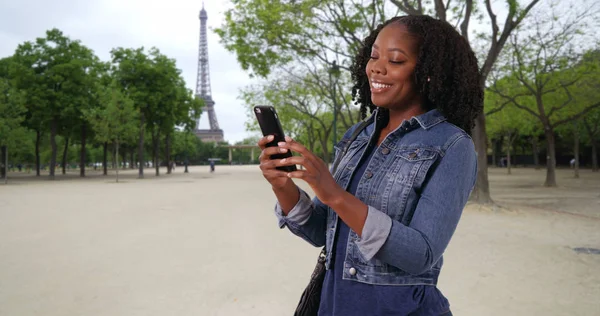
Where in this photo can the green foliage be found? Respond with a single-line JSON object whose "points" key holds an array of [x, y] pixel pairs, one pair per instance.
{"points": [[12, 114], [266, 34], [117, 120]]}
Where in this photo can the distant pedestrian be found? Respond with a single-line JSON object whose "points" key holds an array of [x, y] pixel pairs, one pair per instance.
{"points": [[572, 162], [212, 166]]}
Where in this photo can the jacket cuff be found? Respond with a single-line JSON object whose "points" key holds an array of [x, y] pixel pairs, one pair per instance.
{"points": [[375, 232], [300, 213]]}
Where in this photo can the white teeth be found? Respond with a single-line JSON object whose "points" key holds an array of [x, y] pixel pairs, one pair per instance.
{"points": [[378, 85]]}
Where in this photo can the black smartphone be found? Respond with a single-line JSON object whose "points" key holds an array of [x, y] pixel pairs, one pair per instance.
{"points": [[270, 125]]}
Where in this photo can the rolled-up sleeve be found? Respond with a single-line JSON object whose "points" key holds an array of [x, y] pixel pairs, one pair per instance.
{"points": [[307, 219], [299, 215], [375, 232]]}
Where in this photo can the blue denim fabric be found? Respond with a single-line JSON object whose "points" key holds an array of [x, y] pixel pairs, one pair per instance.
{"points": [[415, 185]]}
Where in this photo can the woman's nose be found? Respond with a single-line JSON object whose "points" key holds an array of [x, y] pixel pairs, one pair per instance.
{"points": [[377, 68]]}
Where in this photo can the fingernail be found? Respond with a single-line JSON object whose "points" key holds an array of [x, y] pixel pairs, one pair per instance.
{"points": [[270, 137], [283, 160], [281, 143], [288, 139], [289, 175], [282, 150]]}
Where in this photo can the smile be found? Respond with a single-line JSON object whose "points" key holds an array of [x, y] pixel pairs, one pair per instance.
{"points": [[379, 87]]}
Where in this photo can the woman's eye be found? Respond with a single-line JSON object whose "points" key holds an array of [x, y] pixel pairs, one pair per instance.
{"points": [[373, 57], [396, 62]]}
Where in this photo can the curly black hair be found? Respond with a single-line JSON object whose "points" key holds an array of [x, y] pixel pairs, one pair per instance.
{"points": [[445, 57]]}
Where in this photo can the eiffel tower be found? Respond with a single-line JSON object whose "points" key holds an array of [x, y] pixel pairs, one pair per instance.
{"points": [[214, 134]]}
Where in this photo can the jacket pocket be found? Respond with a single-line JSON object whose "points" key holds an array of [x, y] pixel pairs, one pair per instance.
{"points": [[408, 174]]}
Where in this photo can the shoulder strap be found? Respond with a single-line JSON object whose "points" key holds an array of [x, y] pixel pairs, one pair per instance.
{"points": [[357, 131]]}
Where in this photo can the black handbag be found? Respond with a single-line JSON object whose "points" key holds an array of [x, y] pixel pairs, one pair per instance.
{"points": [[311, 297]]}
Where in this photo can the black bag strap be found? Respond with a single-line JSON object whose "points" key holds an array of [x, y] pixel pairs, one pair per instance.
{"points": [[357, 131]]}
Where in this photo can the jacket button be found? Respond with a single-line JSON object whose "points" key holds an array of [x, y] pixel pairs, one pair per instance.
{"points": [[369, 174], [385, 151], [352, 271]]}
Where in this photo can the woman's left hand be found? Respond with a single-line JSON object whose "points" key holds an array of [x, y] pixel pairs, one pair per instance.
{"points": [[316, 172]]}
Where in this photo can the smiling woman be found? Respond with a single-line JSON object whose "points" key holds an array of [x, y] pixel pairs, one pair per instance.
{"points": [[403, 176]]}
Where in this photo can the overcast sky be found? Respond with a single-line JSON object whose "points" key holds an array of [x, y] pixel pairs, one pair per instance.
{"points": [[172, 26]]}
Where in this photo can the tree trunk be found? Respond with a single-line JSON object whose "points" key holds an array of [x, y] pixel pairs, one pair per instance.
{"points": [[64, 157], [508, 148], [38, 139], [550, 157], [132, 158], [155, 140], [124, 157], [53, 130], [114, 159], [536, 152], [494, 152], [481, 192], [3, 163], [105, 159], [576, 150], [168, 152], [82, 153], [5, 157], [117, 159], [594, 156], [141, 148], [523, 149]]}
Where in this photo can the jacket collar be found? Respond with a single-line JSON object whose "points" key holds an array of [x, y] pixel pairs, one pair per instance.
{"points": [[426, 120]]}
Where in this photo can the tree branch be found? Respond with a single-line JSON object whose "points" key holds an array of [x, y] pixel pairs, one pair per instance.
{"points": [[509, 26], [407, 8], [576, 116], [513, 100], [464, 26], [562, 106], [440, 9], [498, 109]]}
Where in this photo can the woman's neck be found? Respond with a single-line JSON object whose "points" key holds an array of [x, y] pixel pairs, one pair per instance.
{"points": [[398, 116]]}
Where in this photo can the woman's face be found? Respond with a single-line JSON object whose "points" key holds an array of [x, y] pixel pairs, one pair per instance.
{"points": [[391, 69]]}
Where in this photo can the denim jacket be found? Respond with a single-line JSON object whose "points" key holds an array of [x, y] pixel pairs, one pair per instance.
{"points": [[415, 185]]}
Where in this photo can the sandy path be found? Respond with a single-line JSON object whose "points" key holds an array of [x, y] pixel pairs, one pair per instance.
{"points": [[202, 244]]}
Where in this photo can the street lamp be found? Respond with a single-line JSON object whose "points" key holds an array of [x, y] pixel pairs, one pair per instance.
{"points": [[335, 72]]}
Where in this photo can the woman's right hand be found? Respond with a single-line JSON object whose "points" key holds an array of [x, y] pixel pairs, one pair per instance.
{"points": [[277, 178]]}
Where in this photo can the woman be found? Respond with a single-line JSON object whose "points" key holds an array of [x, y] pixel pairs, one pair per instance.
{"points": [[389, 211]]}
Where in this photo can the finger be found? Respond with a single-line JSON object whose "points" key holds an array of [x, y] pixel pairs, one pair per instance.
{"points": [[262, 143], [302, 175], [298, 160], [270, 151], [295, 146], [268, 165], [275, 174]]}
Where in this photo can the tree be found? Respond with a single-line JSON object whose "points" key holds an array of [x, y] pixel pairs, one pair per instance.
{"points": [[507, 124], [116, 122], [158, 91], [133, 70], [547, 66], [12, 114], [591, 123], [53, 71]]}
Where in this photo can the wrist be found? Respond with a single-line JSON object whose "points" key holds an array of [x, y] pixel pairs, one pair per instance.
{"points": [[336, 199], [287, 186]]}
